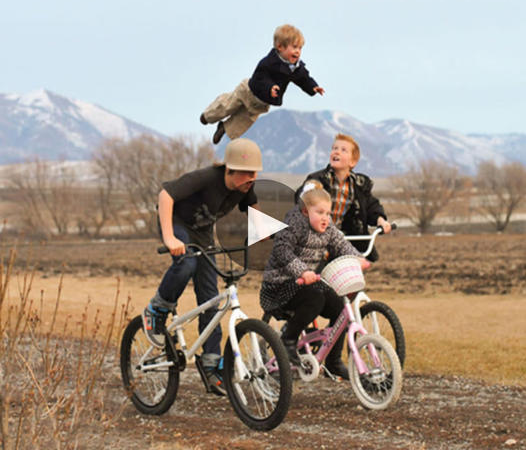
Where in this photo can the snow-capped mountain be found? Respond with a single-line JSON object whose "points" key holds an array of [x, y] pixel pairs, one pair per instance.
{"points": [[300, 142], [50, 126]]}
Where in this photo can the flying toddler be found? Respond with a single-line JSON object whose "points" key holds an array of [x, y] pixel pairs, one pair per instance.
{"points": [[266, 87]]}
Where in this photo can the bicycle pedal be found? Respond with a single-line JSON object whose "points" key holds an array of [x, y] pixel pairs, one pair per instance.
{"points": [[328, 374]]}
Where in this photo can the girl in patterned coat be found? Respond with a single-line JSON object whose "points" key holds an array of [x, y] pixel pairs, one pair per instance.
{"points": [[300, 251]]}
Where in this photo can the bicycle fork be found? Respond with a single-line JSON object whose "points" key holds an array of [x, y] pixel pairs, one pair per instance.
{"points": [[241, 371], [355, 328]]}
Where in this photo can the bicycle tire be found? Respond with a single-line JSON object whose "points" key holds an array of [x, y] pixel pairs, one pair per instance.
{"points": [[380, 387], [151, 391], [389, 325], [262, 400]]}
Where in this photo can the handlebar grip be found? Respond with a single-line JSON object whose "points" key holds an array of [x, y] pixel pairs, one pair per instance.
{"points": [[394, 226], [164, 249]]}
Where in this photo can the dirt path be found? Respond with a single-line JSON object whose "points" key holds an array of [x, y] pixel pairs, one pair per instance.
{"points": [[433, 413], [462, 311]]}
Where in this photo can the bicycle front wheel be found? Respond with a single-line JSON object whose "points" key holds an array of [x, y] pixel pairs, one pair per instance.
{"points": [[149, 374], [389, 326], [380, 386], [261, 396]]}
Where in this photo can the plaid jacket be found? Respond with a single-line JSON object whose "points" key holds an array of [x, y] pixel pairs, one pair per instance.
{"points": [[362, 212]]}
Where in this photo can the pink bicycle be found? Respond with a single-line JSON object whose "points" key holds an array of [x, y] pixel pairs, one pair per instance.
{"points": [[374, 368]]}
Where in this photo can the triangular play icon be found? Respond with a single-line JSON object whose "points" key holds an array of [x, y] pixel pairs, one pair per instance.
{"points": [[261, 225]]}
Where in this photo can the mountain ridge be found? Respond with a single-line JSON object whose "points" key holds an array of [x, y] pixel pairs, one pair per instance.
{"points": [[53, 127], [43, 124], [388, 147]]}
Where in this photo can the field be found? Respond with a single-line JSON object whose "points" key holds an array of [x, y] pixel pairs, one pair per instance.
{"points": [[461, 300]]}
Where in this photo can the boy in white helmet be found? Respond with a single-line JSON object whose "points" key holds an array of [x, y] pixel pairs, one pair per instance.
{"points": [[189, 206]]}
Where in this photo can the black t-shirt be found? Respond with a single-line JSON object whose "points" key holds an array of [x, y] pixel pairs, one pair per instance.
{"points": [[201, 198]]}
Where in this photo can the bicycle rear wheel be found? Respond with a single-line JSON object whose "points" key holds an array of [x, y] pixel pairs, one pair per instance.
{"points": [[152, 389], [381, 385], [262, 398], [389, 326]]}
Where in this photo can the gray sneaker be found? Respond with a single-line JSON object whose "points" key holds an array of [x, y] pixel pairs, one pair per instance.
{"points": [[153, 322], [215, 378]]}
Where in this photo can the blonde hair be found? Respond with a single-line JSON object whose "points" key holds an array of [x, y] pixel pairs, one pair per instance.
{"points": [[355, 149], [313, 193], [288, 34]]}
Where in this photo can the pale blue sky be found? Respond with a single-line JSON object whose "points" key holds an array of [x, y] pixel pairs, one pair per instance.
{"points": [[457, 64]]}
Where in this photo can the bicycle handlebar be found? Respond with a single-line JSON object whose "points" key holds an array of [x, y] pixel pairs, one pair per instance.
{"points": [[212, 251], [369, 237]]}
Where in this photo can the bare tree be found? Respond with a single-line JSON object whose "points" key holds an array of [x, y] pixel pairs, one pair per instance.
{"points": [[500, 191], [104, 198], [45, 193], [50, 199], [138, 168], [424, 191]]}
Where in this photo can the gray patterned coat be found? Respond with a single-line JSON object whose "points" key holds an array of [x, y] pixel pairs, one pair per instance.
{"points": [[297, 249]]}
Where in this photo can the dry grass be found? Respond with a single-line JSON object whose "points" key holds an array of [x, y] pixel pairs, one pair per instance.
{"points": [[461, 299], [481, 337], [52, 380]]}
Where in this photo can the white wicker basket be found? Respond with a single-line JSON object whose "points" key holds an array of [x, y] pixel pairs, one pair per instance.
{"points": [[344, 275]]}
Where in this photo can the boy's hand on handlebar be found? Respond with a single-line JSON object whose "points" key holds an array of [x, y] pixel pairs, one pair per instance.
{"points": [[386, 226], [309, 277], [175, 246]]}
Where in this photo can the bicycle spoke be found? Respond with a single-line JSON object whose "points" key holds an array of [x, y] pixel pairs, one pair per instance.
{"points": [[381, 384], [260, 399], [152, 390]]}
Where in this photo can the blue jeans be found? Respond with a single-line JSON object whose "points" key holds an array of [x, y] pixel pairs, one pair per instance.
{"points": [[205, 286]]}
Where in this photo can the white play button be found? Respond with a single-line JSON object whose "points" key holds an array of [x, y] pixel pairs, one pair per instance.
{"points": [[261, 225], [252, 226]]}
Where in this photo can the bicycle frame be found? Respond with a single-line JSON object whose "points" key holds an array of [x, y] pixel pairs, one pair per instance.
{"points": [[329, 336], [179, 322], [232, 303]]}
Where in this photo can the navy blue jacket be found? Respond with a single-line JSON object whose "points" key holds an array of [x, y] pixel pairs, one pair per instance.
{"points": [[272, 70]]}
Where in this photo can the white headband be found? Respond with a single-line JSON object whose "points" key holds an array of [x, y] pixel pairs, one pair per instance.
{"points": [[307, 187]]}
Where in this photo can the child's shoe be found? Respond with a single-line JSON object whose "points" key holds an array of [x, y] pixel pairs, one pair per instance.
{"points": [[219, 133], [333, 361], [215, 378], [337, 368], [291, 347], [153, 321], [202, 119]]}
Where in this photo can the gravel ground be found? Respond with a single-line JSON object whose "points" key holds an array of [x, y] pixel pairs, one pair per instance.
{"points": [[433, 412]]}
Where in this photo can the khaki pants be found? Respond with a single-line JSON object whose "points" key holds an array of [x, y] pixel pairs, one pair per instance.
{"points": [[241, 105]]}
